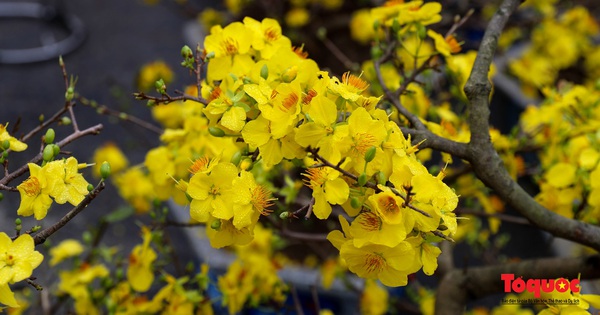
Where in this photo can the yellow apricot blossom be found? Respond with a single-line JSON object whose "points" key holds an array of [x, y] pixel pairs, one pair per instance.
{"points": [[15, 145], [65, 249], [35, 193], [7, 297], [212, 193], [69, 185], [139, 272], [374, 299], [18, 258], [327, 188], [250, 201]]}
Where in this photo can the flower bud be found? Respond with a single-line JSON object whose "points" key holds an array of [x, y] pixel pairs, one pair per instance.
{"points": [[151, 103], [90, 187], [5, 155], [5, 144], [105, 170], [41, 118], [370, 154], [264, 72], [56, 149], [186, 52], [69, 93], [210, 55], [48, 153], [321, 33], [289, 74], [216, 224], [216, 132], [246, 164], [49, 137], [362, 179], [36, 228], [421, 31], [160, 86], [65, 120], [381, 178], [355, 203], [376, 52], [284, 215], [236, 158], [18, 221]]}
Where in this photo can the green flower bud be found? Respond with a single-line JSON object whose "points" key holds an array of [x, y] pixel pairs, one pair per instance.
{"points": [[210, 55], [160, 86], [56, 149], [5, 144], [36, 228], [395, 25], [105, 170], [236, 158], [5, 155], [69, 93], [48, 153], [90, 187], [18, 227], [376, 52], [381, 178], [284, 215], [355, 203], [18, 221], [321, 33], [65, 120], [41, 118], [264, 72], [151, 103], [186, 52], [370, 154], [216, 224], [421, 31], [49, 137], [87, 237], [216, 132], [362, 179], [289, 74]]}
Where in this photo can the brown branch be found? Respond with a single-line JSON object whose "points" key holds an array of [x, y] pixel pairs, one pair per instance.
{"points": [[487, 164], [459, 286], [501, 216], [105, 110], [166, 98], [41, 237], [94, 130]]}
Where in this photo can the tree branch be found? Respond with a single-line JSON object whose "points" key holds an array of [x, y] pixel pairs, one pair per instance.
{"points": [[41, 237], [488, 165], [459, 286]]}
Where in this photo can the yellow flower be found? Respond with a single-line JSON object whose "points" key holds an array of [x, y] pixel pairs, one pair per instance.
{"points": [[444, 46], [266, 36], [297, 17], [7, 297], [426, 14], [15, 145], [18, 258], [111, 153], [390, 207], [135, 187], [35, 193], [251, 199], [67, 248], [350, 88], [75, 283], [374, 299], [230, 46], [139, 273], [69, 185], [151, 72], [212, 194], [369, 228], [328, 188], [226, 234]]}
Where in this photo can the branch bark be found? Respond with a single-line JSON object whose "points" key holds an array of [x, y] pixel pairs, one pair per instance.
{"points": [[486, 162], [459, 286]]}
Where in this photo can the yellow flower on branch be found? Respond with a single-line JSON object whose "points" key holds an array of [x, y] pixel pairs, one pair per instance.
{"points": [[18, 258], [69, 185], [15, 144], [139, 273], [327, 188], [35, 193], [65, 249]]}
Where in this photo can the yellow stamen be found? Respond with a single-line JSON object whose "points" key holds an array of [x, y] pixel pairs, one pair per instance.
{"points": [[354, 81], [261, 199], [374, 263], [315, 177], [31, 186]]}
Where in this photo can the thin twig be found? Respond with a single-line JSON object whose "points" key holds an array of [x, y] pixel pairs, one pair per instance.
{"points": [[166, 98], [41, 237], [105, 110]]}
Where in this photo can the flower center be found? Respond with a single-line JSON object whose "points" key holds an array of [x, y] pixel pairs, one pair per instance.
{"points": [[271, 34], [315, 177], [370, 221], [31, 186], [354, 81], [230, 46], [200, 165], [9, 259], [309, 96], [374, 262], [261, 199], [388, 204], [289, 102], [363, 141]]}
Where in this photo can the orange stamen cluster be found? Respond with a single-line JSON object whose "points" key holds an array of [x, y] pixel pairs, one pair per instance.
{"points": [[315, 177], [271, 34], [31, 186], [354, 81], [200, 164], [374, 263], [261, 199]]}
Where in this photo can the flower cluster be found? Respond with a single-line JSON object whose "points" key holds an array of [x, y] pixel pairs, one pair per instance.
{"points": [[565, 127]]}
